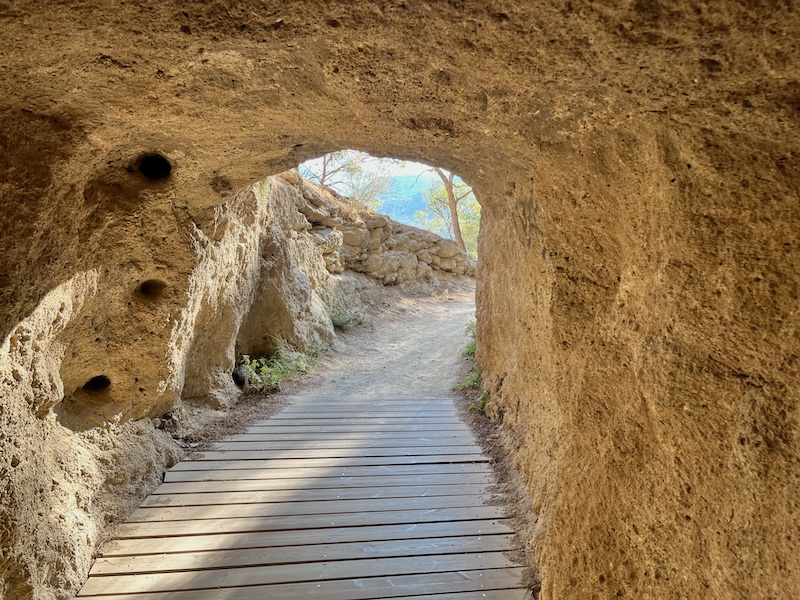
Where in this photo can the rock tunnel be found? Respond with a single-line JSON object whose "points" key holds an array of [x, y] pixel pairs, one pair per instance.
{"points": [[638, 286]]}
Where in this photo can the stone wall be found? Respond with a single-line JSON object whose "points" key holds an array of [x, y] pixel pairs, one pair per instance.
{"points": [[637, 163]]}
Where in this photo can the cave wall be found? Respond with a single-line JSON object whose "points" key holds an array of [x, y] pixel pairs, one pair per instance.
{"points": [[662, 403], [637, 164]]}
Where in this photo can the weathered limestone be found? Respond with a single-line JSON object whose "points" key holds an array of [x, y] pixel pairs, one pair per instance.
{"points": [[637, 163]]}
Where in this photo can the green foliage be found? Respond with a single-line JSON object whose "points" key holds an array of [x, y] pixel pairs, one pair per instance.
{"points": [[472, 346], [437, 219], [474, 377], [469, 214], [473, 381], [480, 405], [265, 374], [344, 319]]}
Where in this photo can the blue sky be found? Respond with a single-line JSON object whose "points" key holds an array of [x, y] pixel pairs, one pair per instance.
{"points": [[394, 168]]}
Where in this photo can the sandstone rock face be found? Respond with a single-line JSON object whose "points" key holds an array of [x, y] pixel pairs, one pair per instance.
{"points": [[637, 163]]}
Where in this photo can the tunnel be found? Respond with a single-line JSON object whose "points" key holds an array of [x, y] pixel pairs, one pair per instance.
{"points": [[637, 164]]}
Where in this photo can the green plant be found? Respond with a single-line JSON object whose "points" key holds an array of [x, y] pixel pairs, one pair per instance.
{"points": [[344, 320], [474, 376], [469, 351], [265, 374], [473, 381], [480, 405]]}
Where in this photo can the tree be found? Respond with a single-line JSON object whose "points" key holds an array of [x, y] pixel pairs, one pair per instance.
{"points": [[351, 173], [456, 191], [440, 217]]}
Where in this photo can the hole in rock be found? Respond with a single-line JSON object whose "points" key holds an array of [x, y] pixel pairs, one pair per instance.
{"points": [[239, 376], [97, 383], [152, 288], [155, 166]]}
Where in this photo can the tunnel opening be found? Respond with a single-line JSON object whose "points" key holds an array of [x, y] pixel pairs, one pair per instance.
{"points": [[431, 198]]}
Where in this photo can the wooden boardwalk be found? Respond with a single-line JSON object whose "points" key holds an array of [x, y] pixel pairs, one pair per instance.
{"points": [[330, 499]]}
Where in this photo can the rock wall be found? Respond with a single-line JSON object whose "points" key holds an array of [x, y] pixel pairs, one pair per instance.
{"points": [[86, 378], [637, 163], [661, 398]]}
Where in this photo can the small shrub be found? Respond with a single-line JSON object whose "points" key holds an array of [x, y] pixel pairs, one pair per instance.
{"points": [[265, 374], [344, 320], [261, 374], [472, 346], [473, 381], [474, 377], [480, 405]]}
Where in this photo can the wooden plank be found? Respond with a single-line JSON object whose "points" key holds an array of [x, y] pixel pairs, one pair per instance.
{"points": [[321, 507], [358, 428], [423, 446], [309, 399], [267, 574], [352, 421], [519, 593], [312, 450], [412, 482], [360, 415], [203, 464], [345, 417], [365, 400], [307, 495], [358, 411], [252, 557], [361, 588], [294, 522], [462, 437], [333, 471], [361, 412], [302, 537]]}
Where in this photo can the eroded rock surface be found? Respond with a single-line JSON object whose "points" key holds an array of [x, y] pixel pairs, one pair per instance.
{"points": [[637, 163]]}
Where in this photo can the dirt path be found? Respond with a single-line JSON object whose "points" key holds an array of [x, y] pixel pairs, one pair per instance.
{"points": [[416, 352]]}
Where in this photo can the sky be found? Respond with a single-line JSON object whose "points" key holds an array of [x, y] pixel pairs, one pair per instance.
{"points": [[394, 168]]}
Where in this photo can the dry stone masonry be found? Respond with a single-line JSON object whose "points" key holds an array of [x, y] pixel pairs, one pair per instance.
{"points": [[373, 244]]}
